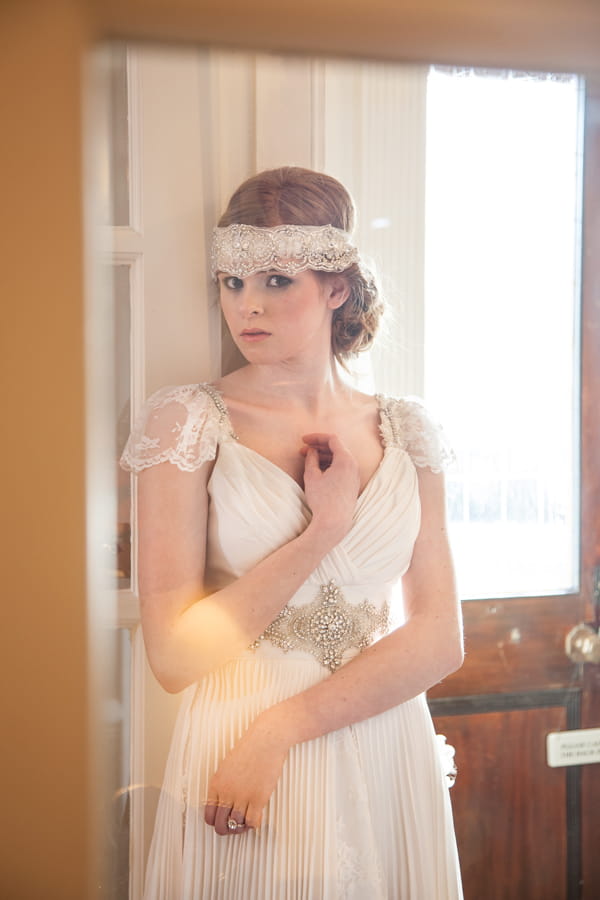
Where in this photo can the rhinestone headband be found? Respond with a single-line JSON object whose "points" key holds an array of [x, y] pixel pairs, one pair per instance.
{"points": [[243, 250]]}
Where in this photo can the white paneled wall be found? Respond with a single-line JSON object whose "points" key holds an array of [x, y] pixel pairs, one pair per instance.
{"points": [[179, 343], [374, 142]]}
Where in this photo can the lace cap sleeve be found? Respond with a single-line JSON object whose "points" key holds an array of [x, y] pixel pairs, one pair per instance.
{"points": [[179, 425], [408, 425]]}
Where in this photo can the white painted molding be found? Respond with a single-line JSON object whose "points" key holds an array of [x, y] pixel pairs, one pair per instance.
{"points": [[129, 249], [137, 762], [134, 110], [128, 609], [126, 243], [137, 375]]}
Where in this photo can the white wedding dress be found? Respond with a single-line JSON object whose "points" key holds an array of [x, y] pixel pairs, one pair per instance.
{"points": [[362, 813]]}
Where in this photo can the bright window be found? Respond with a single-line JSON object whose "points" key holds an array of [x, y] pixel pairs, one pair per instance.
{"points": [[501, 322]]}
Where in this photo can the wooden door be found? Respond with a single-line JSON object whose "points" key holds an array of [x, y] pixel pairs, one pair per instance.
{"points": [[527, 831]]}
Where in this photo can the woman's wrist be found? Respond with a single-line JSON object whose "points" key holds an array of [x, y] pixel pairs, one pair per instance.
{"points": [[282, 723], [325, 534]]}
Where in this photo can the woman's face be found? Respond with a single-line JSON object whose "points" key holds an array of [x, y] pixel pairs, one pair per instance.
{"points": [[275, 317]]}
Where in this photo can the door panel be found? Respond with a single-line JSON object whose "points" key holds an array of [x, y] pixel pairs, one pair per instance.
{"points": [[590, 790], [515, 645], [499, 753]]}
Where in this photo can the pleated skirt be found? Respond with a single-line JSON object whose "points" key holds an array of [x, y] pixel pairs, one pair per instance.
{"points": [[362, 813]]}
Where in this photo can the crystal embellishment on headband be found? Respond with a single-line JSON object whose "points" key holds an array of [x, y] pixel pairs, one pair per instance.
{"points": [[243, 250]]}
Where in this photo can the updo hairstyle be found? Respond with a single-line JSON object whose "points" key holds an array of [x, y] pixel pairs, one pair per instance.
{"points": [[295, 196]]}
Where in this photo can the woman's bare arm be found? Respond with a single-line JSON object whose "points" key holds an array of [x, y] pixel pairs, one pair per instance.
{"points": [[188, 633]]}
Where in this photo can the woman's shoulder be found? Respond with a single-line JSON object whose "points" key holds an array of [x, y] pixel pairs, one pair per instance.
{"points": [[406, 423], [180, 424]]}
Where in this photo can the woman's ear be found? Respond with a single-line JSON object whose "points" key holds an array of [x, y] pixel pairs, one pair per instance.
{"points": [[338, 291]]}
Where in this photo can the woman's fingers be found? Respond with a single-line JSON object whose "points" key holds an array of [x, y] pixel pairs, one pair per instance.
{"points": [[229, 821], [317, 458], [246, 778], [324, 445], [223, 813], [312, 458], [330, 449], [319, 439], [210, 812], [331, 488], [225, 818], [253, 816]]}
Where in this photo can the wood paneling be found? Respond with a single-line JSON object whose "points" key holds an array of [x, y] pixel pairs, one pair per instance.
{"points": [[507, 802], [590, 357], [590, 469], [539, 34], [515, 645], [590, 790], [45, 804]]}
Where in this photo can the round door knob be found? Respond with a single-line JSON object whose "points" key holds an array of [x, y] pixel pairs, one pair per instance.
{"points": [[582, 644]]}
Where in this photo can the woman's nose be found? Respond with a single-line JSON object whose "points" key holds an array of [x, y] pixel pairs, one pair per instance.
{"points": [[251, 302]]}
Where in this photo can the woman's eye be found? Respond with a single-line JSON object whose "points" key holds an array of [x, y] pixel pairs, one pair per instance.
{"points": [[278, 281], [233, 283]]}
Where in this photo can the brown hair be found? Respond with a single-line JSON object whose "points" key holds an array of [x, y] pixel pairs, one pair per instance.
{"points": [[295, 196]]}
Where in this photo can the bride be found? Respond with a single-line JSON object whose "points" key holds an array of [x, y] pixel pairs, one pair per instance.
{"points": [[296, 583]]}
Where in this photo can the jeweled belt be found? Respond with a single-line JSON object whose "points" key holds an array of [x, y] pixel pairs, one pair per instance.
{"points": [[327, 627]]}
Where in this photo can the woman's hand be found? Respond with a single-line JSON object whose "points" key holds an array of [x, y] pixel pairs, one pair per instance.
{"points": [[331, 482], [245, 780]]}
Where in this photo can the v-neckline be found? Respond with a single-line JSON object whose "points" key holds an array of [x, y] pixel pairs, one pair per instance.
{"points": [[291, 480], [225, 419]]}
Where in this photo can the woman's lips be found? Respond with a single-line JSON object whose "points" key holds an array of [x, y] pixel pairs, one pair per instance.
{"points": [[254, 335]]}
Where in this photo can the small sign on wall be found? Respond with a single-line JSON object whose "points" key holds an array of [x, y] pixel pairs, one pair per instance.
{"points": [[573, 748]]}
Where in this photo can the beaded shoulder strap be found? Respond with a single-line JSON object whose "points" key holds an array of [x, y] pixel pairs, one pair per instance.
{"points": [[217, 399]]}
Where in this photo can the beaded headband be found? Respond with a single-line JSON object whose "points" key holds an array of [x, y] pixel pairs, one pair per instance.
{"points": [[243, 250]]}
